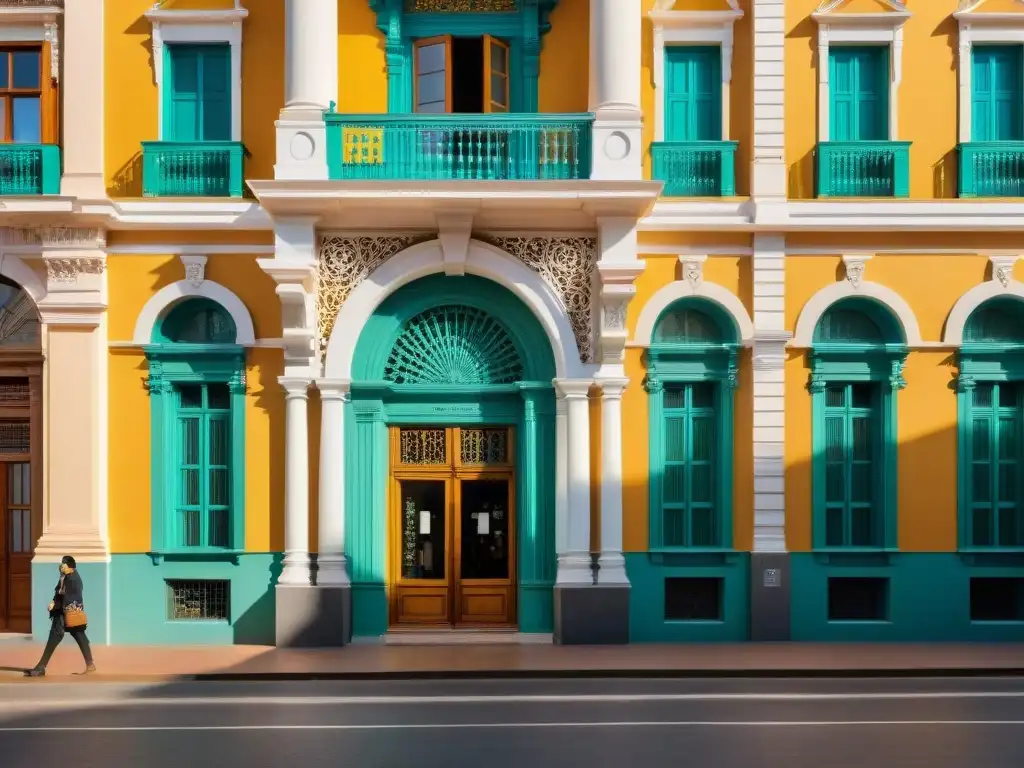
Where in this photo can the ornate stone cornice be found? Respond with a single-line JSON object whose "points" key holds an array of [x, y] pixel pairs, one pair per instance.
{"points": [[54, 237]]}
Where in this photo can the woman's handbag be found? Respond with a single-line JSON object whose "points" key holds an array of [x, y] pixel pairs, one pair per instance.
{"points": [[74, 617]]}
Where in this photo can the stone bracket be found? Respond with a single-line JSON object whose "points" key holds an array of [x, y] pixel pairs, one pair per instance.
{"points": [[454, 231]]}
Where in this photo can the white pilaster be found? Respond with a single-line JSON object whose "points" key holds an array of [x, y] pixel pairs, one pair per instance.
{"points": [[311, 84], [574, 564], [615, 77], [82, 90], [296, 483], [770, 337], [617, 267], [561, 477], [330, 559], [768, 166], [612, 565]]}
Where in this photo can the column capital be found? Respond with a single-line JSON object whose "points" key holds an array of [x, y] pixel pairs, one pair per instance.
{"points": [[611, 387], [334, 389], [573, 389], [295, 386]]}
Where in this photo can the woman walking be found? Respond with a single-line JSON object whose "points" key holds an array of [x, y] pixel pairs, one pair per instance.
{"points": [[67, 614]]}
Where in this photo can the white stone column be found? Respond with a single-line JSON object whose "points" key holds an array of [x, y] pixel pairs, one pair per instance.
{"points": [[311, 84], [296, 483], [574, 564], [561, 477], [615, 78], [768, 176], [81, 89], [612, 565], [330, 558]]}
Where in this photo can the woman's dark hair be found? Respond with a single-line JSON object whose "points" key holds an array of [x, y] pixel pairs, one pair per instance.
{"points": [[68, 560]]}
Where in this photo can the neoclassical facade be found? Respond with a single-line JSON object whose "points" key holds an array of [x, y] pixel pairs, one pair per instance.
{"points": [[515, 321]]}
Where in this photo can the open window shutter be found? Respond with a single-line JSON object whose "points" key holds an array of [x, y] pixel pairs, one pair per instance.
{"points": [[496, 80], [842, 84], [215, 89], [678, 94], [183, 122], [433, 75], [1006, 93], [872, 91], [706, 80]]}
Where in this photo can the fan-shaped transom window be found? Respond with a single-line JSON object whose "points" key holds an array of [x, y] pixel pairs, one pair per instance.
{"points": [[454, 344], [198, 321], [688, 325], [856, 322], [998, 321], [19, 321]]}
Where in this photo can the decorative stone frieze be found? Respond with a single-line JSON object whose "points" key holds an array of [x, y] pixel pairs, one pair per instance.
{"points": [[67, 270], [54, 237]]}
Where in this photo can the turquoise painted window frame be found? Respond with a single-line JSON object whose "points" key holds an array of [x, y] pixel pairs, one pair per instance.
{"points": [[169, 131], [859, 361], [853, 128], [523, 30], [171, 365], [673, 363], [982, 361], [984, 122]]}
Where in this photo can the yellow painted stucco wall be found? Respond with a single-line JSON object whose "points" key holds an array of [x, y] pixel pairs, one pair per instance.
{"points": [[927, 96], [732, 273], [133, 280], [927, 417]]}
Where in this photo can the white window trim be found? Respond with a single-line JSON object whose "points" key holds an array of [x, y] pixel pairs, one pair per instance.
{"points": [[692, 28], [884, 28], [31, 24], [200, 27], [980, 27]]}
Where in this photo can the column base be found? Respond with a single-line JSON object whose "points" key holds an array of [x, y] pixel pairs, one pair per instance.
{"points": [[592, 615], [769, 596], [312, 617]]}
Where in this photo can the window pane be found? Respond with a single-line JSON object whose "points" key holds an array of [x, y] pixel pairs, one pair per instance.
{"points": [[835, 483], [675, 484], [674, 397], [983, 395], [191, 395], [436, 108], [981, 483], [1008, 482], [430, 58], [431, 88], [3, 119], [190, 442], [218, 528], [14, 476], [703, 395], [834, 527], [861, 439], [704, 534], [190, 487], [834, 438], [1009, 533], [835, 396], [862, 528], [219, 488], [5, 65], [981, 443], [860, 482], [981, 528], [219, 454], [25, 118], [26, 69], [499, 58], [26, 483], [218, 396], [190, 527], [674, 522], [703, 439], [1008, 438], [675, 450], [498, 89], [700, 485]]}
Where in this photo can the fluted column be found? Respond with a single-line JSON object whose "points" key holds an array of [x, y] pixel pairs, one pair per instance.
{"points": [[574, 563], [330, 559], [612, 565], [296, 483]]}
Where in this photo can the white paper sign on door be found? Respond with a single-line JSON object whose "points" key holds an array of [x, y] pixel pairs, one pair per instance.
{"points": [[425, 523], [483, 524]]}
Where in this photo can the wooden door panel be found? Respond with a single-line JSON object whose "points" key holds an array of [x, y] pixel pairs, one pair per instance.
{"points": [[20, 541], [422, 605], [484, 604]]}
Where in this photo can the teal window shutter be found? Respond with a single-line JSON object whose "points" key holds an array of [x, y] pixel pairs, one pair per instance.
{"points": [[995, 444], [688, 506], [997, 85], [693, 93], [204, 466], [198, 93], [859, 93], [851, 450]]}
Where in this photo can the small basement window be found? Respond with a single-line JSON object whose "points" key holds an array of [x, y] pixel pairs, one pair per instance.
{"points": [[205, 600], [997, 599], [858, 599], [693, 599]]}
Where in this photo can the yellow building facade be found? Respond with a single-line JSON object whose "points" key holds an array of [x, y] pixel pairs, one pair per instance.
{"points": [[576, 321]]}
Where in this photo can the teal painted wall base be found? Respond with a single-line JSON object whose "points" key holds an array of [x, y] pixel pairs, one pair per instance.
{"points": [[928, 597], [139, 601], [96, 582], [536, 608], [647, 573]]}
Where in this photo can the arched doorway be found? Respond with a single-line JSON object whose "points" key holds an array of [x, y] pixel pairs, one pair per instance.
{"points": [[21, 363], [451, 476]]}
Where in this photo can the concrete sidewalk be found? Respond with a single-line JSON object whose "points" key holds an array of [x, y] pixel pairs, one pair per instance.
{"points": [[154, 663]]}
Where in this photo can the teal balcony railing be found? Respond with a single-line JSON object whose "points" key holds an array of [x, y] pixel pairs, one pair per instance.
{"points": [[192, 169], [29, 169], [498, 147], [863, 169], [695, 168], [992, 169]]}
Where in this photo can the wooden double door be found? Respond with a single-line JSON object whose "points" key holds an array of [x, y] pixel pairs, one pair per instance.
{"points": [[452, 527], [16, 549]]}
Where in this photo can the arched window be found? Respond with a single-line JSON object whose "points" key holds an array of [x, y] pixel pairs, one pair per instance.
{"points": [[197, 388], [990, 419], [856, 369], [691, 376], [19, 320]]}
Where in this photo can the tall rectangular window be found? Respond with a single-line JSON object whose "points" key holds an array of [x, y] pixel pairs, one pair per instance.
{"points": [[21, 95], [198, 93], [997, 85], [693, 93], [203, 515], [996, 429], [859, 93], [852, 463], [689, 513]]}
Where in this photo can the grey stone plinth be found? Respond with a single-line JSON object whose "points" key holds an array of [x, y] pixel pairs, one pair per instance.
{"points": [[592, 615], [313, 617]]}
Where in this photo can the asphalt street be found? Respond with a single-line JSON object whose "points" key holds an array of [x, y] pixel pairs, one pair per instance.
{"points": [[974, 723]]}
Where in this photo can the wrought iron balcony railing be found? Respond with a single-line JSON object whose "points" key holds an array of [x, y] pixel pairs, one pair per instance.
{"points": [[695, 168], [29, 169], [992, 169], [192, 169], [863, 169]]}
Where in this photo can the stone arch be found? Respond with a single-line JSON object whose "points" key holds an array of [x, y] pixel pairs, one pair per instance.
{"points": [[428, 258], [21, 291], [16, 270], [171, 295], [820, 302], [967, 304], [678, 290]]}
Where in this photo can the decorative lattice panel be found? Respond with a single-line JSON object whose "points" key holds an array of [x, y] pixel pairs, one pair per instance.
{"points": [[14, 437], [198, 600], [484, 446], [567, 265], [461, 6], [423, 446], [14, 391], [344, 263], [453, 344]]}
